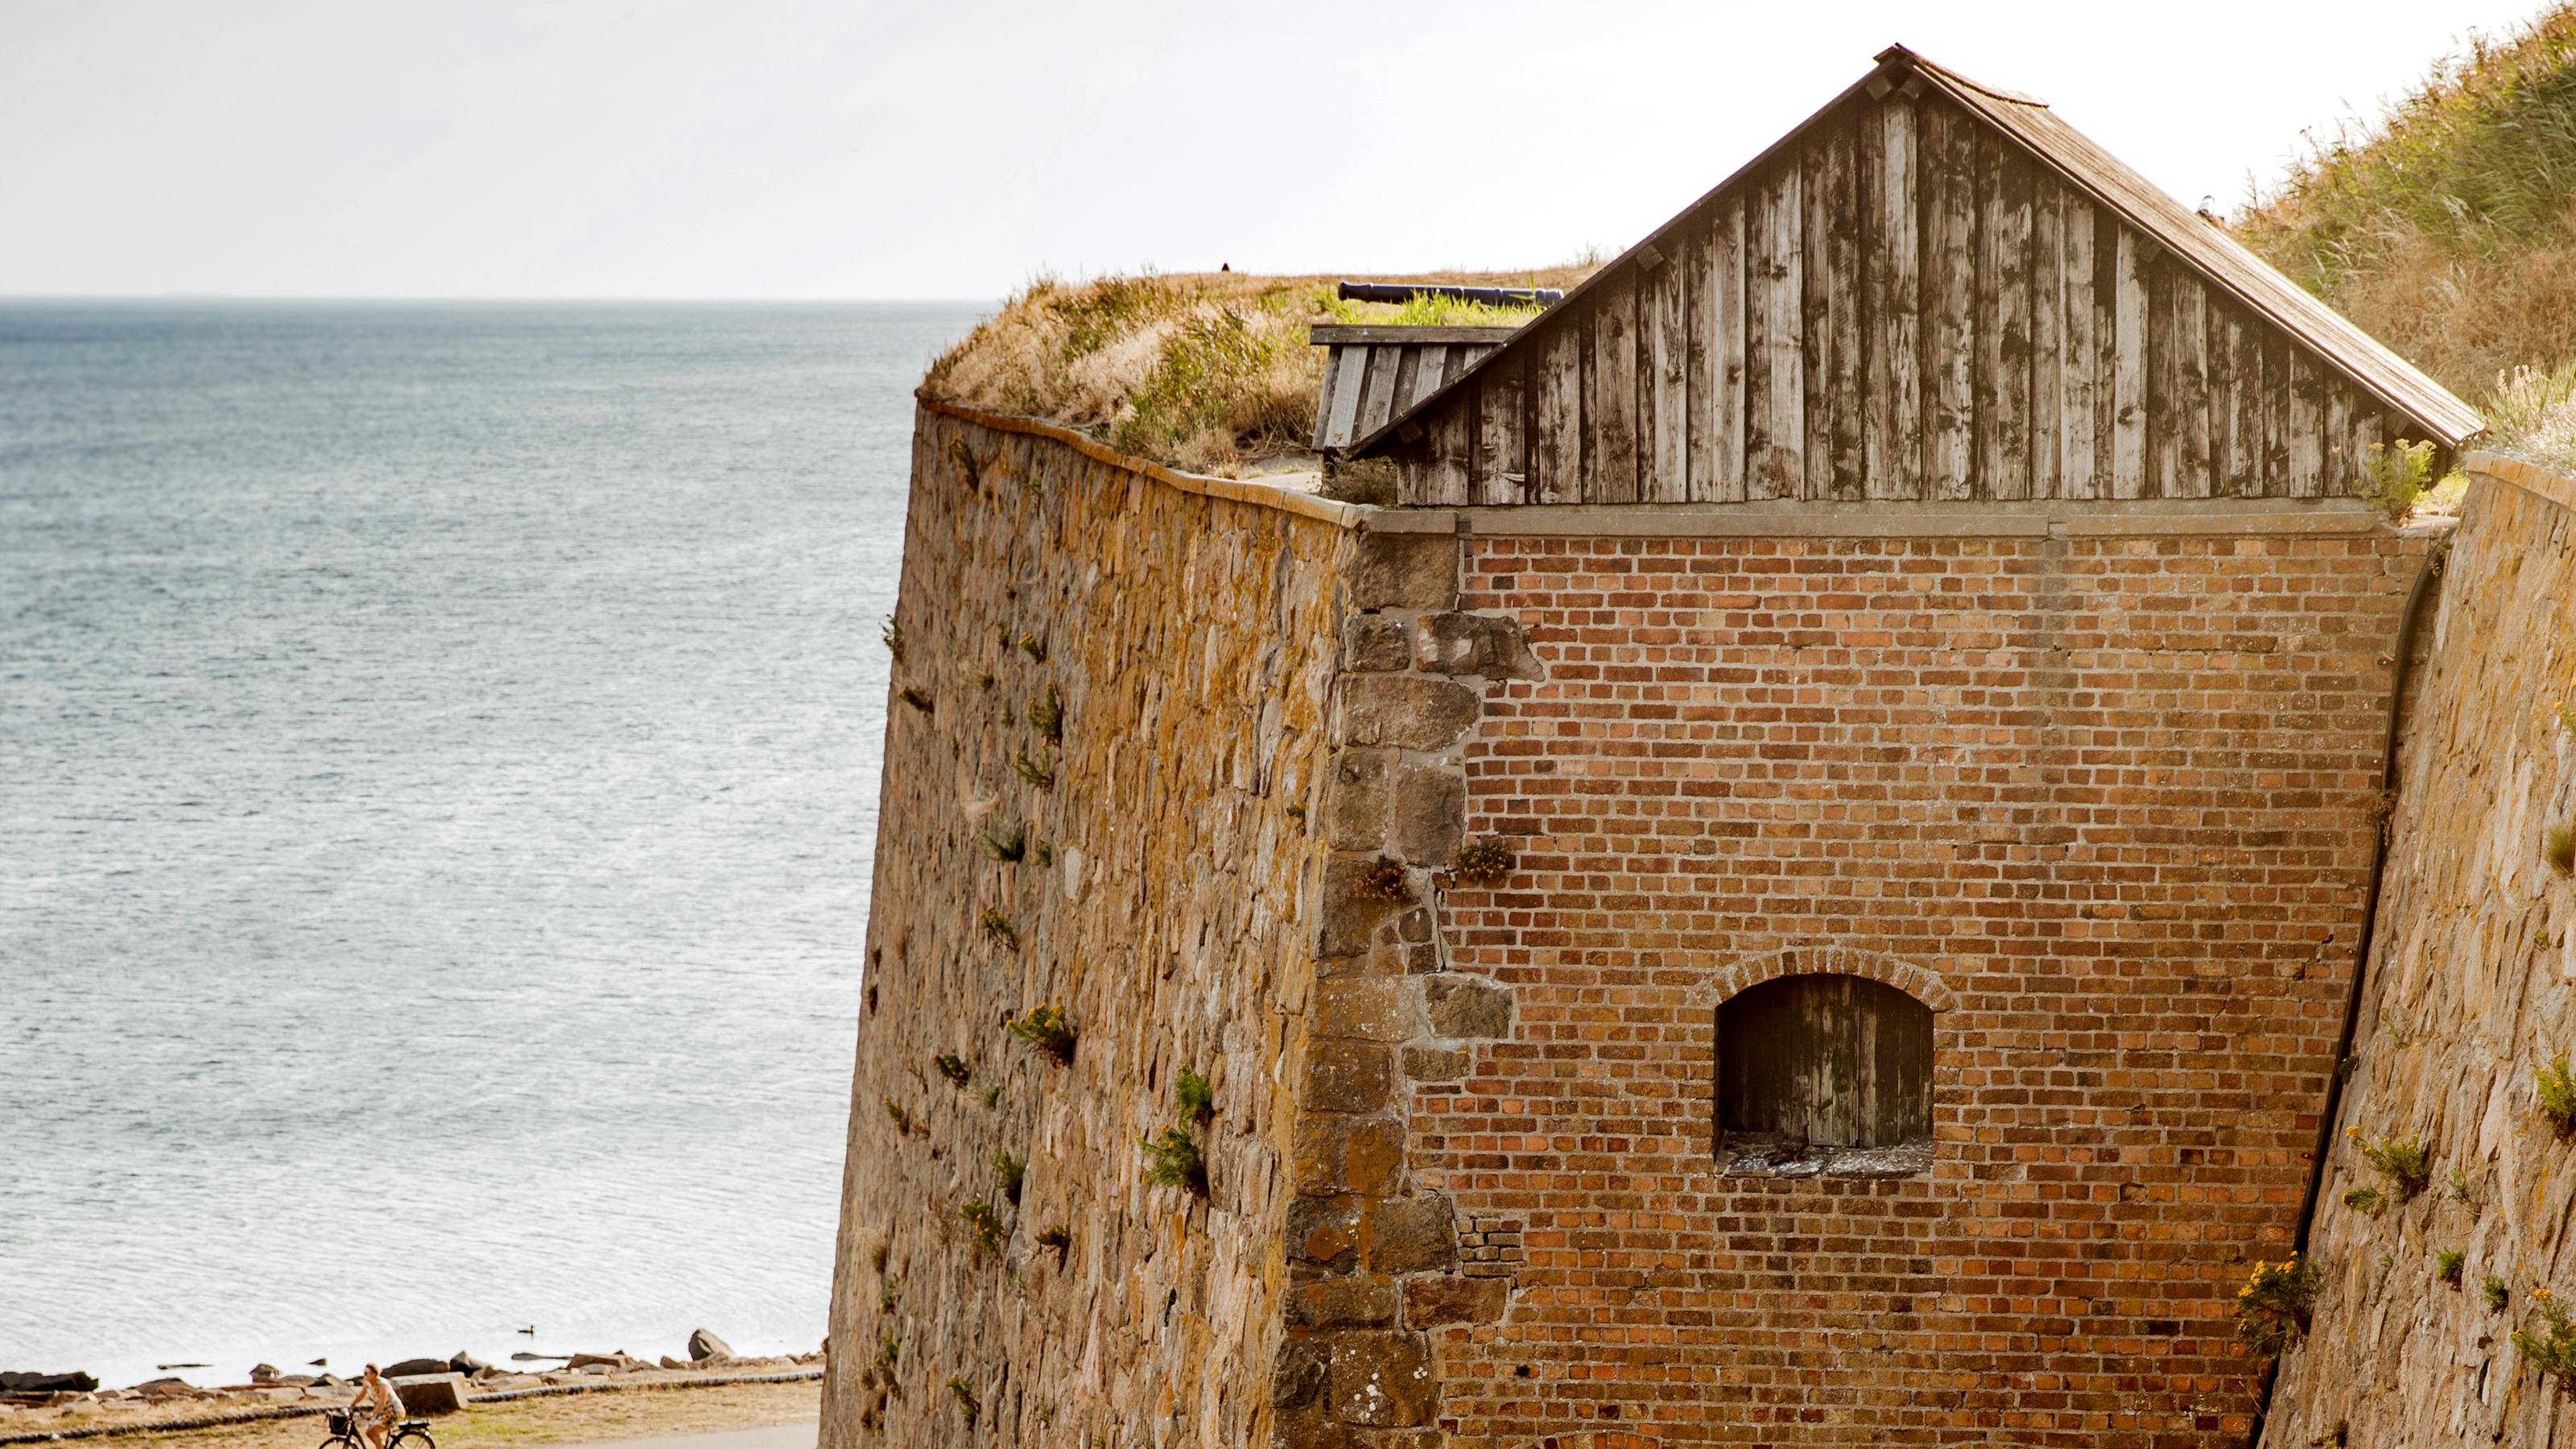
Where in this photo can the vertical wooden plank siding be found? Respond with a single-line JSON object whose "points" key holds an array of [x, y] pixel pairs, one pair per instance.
{"points": [[1892, 448], [2079, 349], [2340, 466], [1449, 438], [1718, 411], [1324, 395], [2365, 433], [2306, 425], [1350, 382], [1829, 315], [2129, 368], [2276, 414], [2047, 321], [1946, 186], [1663, 398], [1500, 435], [1377, 401], [2245, 461], [1556, 419], [1610, 396], [2191, 374], [2002, 388], [1774, 387]]}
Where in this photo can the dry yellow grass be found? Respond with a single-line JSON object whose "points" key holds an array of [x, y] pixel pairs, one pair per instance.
{"points": [[2447, 228], [1206, 370], [559, 1419]]}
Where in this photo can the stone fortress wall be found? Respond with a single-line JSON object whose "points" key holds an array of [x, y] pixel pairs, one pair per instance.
{"points": [[2096, 783], [2467, 998]]}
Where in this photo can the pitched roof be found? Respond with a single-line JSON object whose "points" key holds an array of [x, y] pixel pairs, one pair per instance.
{"points": [[2112, 183]]}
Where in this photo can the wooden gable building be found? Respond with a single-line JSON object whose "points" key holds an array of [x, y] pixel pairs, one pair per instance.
{"points": [[1932, 290]]}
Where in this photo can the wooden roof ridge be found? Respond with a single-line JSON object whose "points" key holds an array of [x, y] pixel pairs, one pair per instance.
{"points": [[2082, 163]]}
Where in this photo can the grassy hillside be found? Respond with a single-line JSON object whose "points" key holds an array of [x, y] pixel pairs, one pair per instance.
{"points": [[2448, 228], [1208, 370]]}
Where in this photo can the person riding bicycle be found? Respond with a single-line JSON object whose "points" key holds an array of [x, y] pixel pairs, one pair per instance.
{"points": [[379, 1408]]}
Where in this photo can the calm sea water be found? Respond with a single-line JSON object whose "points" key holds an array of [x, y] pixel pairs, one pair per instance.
{"points": [[438, 775]]}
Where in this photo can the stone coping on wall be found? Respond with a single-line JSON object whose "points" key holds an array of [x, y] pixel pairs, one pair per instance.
{"points": [[1259, 495], [2529, 477]]}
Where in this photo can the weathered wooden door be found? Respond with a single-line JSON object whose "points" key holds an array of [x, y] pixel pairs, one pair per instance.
{"points": [[1834, 1059]]}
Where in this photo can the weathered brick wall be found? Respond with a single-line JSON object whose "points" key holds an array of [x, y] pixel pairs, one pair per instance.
{"points": [[1190, 639], [2468, 995], [2101, 799]]}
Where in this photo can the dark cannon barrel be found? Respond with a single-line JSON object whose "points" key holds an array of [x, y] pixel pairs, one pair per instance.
{"points": [[1401, 292]]}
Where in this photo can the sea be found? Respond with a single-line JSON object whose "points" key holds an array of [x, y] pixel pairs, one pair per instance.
{"points": [[438, 779]]}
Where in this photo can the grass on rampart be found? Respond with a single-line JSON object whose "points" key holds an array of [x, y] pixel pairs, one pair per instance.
{"points": [[2447, 228], [1206, 370]]}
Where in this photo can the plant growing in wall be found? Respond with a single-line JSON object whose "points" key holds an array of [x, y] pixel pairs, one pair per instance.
{"points": [[902, 1119], [1194, 1098], [2407, 1165], [2557, 1093], [2446, 1265], [2558, 848], [967, 1407], [1011, 1170], [2397, 476], [2496, 1294], [2553, 1349], [1172, 1159], [954, 1068], [1383, 879], [1034, 647], [1046, 714], [1486, 860], [2367, 1201], [913, 696], [2275, 1306], [998, 926], [1039, 772], [892, 633], [1007, 841], [1058, 1239], [984, 1224], [1049, 1030], [964, 458]]}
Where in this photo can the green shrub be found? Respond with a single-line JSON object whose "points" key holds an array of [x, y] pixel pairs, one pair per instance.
{"points": [[1046, 714], [1049, 1030], [2407, 1165], [2446, 1265], [2497, 1295], [1007, 842], [1012, 1171], [915, 698], [2367, 1201], [966, 1402], [2553, 1349], [1058, 1239], [2556, 1088], [998, 926], [1172, 1159], [892, 633], [2275, 1306], [984, 1223], [1035, 647], [1195, 1098], [2397, 477], [1039, 772], [1383, 879], [902, 1119], [954, 1068]]}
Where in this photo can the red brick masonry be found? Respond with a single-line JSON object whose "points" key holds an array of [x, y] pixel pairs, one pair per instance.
{"points": [[2103, 802]]}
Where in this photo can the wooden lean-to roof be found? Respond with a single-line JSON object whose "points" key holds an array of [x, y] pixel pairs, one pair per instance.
{"points": [[1931, 289]]}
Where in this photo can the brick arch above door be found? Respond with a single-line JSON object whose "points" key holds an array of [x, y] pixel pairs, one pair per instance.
{"points": [[1737, 974]]}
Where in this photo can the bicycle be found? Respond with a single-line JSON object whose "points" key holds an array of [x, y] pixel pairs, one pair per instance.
{"points": [[346, 1434]]}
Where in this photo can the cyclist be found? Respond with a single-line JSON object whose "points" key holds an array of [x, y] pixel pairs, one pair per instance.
{"points": [[382, 1407]]}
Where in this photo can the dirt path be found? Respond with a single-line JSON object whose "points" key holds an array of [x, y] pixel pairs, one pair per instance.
{"points": [[735, 1416]]}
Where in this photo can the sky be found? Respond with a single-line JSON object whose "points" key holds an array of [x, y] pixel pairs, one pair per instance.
{"points": [[955, 149]]}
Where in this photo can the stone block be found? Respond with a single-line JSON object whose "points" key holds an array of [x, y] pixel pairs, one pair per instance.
{"points": [[1343, 1301], [1350, 919], [1431, 1301], [1436, 1064], [1369, 1008], [1325, 1231], [1473, 644], [1375, 644], [1468, 1006], [1429, 820], [1383, 1379], [1355, 800], [1410, 1234], [1348, 1076], [1405, 711], [1338, 1153], [426, 1394], [1296, 1375], [1405, 571]]}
